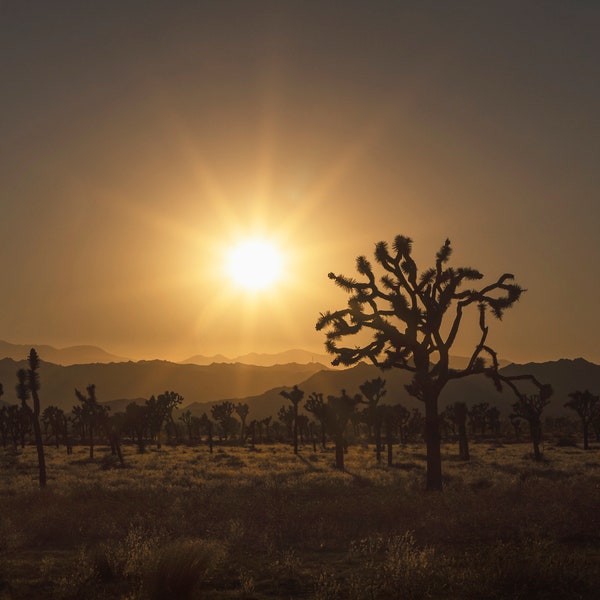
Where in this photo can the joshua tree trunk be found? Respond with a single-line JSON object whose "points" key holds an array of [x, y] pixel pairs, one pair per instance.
{"points": [[40, 450], [378, 441], [586, 445], [536, 436]]}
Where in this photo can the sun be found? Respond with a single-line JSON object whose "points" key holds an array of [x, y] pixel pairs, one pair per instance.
{"points": [[254, 264]]}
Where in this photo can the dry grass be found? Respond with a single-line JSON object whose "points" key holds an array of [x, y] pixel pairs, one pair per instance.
{"points": [[181, 523]]}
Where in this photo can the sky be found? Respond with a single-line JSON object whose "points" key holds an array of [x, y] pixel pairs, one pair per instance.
{"points": [[141, 140]]}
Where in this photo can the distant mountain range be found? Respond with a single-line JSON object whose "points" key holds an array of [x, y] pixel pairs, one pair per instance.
{"points": [[59, 356], [263, 360], [117, 384], [564, 375], [145, 378]]}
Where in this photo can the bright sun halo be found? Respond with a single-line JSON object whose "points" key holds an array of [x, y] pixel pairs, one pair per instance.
{"points": [[254, 264]]}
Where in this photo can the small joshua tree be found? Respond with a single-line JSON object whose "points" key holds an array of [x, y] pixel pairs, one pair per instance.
{"points": [[530, 408], [584, 404], [93, 413], [315, 405], [241, 410], [374, 390], [295, 397], [338, 411]]}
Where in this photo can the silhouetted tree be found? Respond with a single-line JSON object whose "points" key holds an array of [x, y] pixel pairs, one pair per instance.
{"points": [[492, 419], [222, 413], [29, 383], [295, 397], [15, 420], [113, 426], [516, 422], [241, 410], [477, 417], [207, 424], [337, 414], [186, 418], [302, 422], [405, 312], [373, 390], [93, 413], [267, 423], [53, 421], [530, 408], [160, 414], [4, 425], [136, 422], [583, 403], [286, 415], [315, 405]]}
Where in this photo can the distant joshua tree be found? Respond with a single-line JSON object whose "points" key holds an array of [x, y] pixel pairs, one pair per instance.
{"points": [[373, 390], [53, 421], [584, 404], [93, 413], [530, 408], [414, 320], [241, 410], [315, 405], [222, 413], [29, 384], [338, 411], [295, 397]]}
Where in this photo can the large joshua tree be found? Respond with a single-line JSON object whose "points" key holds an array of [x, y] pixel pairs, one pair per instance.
{"points": [[29, 384], [414, 320]]}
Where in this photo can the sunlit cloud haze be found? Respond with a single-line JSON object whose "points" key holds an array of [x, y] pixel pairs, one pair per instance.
{"points": [[142, 140]]}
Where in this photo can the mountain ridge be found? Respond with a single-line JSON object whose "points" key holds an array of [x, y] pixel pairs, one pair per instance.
{"points": [[70, 355]]}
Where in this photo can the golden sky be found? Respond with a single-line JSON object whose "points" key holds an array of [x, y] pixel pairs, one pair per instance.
{"points": [[141, 141]]}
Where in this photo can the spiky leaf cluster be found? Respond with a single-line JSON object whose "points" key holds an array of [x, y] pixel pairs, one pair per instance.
{"points": [[413, 317]]}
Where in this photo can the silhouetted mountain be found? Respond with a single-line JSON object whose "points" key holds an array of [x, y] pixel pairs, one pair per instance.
{"points": [[144, 378], [264, 360], [121, 383], [59, 356], [564, 375]]}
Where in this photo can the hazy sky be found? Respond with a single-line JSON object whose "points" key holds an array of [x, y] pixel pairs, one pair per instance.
{"points": [[140, 139]]}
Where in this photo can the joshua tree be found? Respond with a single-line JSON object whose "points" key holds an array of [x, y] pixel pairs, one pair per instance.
{"points": [[373, 390], [414, 320], [93, 413], [529, 408], [315, 405], [338, 411], [160, 412], [4, 425], [285, 414], [477, 417], [222, 413], [207, 424], [241, 410], [583, 403], [295, 397], [29, 384], [53, 420], [137, 424]]}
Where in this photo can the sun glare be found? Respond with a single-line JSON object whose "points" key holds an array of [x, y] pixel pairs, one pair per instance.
{"points": [[254, 264]]}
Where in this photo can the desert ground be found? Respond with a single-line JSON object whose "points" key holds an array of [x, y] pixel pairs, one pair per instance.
{"points": [[262, 523]]}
